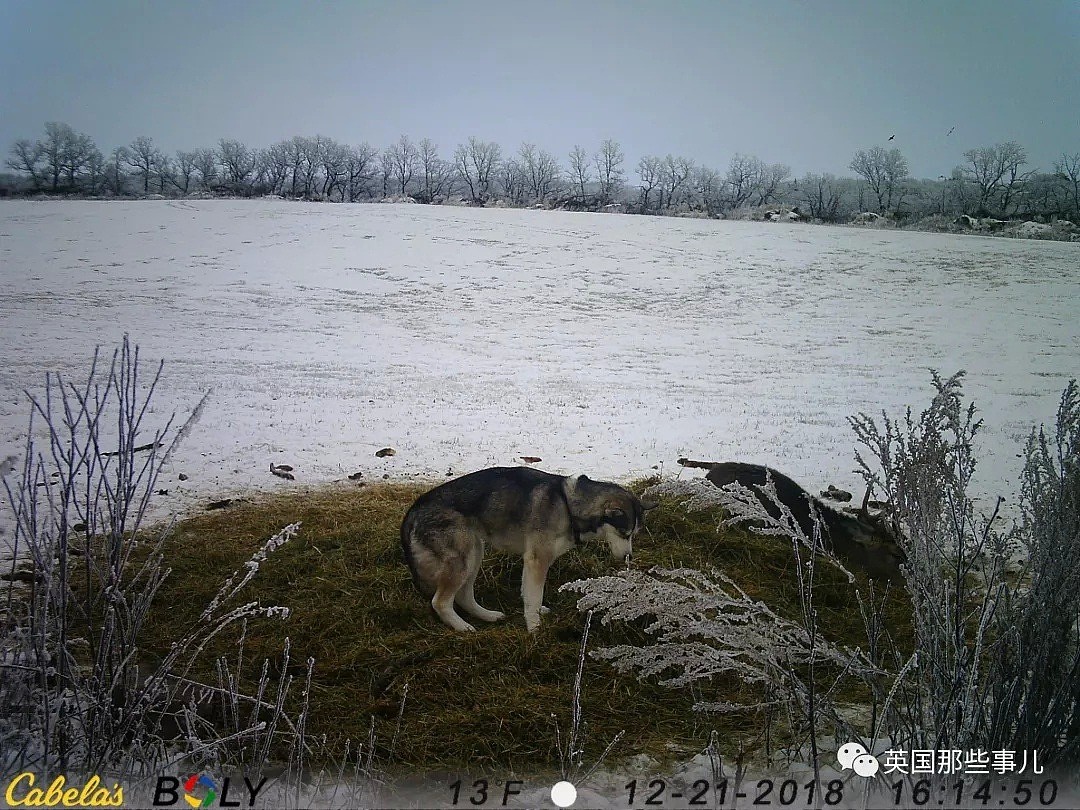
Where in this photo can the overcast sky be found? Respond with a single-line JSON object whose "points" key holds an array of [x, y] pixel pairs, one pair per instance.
{"points": [[800, 83]]}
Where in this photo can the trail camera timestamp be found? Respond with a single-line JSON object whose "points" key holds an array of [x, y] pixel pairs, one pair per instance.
{"points": [[793, 793], [703, 793], [981, 793]]}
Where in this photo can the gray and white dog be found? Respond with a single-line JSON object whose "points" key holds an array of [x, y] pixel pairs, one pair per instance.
{"points": [[517, 509]]}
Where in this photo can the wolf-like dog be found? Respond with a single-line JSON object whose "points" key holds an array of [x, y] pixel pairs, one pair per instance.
{"points": [[520, 510], [865, 541]]}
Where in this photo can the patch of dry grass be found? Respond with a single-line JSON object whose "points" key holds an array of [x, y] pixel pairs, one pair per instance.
{"points": [[483, 700]]}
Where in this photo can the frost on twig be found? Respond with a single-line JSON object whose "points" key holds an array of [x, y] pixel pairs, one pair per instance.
{"points": [[77, 691], [572, 752], [705, 625], [700, 491]]}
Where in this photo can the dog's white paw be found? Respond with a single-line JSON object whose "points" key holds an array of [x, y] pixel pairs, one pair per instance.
{"points": [[544, 610], [466, 628], [493, 616]]}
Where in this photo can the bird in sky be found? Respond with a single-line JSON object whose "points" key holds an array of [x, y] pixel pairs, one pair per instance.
{"points": [[891, 137], [947, 134]]}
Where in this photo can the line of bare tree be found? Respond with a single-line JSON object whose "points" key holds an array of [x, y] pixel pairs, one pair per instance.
{"points": [[993, 181]]}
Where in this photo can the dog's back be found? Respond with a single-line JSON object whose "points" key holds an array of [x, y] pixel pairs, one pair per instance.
{"points": [[500, 502]]}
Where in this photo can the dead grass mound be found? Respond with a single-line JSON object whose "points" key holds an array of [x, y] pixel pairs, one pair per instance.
{"points": [[484, 700]]}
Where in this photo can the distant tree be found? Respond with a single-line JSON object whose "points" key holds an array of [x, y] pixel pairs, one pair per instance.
{"points": [[141, 156], [333, 158], [579, 170], [540, 172], [360, 171], [1069, 170], [436, 175], [527, 161], [995, 171], [62, 155], [53, 151], [386, 171], [883, 171], [97, 172], [706, 183], [294, 154], [185, 170], [1047, 194], [66, 154], [26, 157], [272, 167], [114, 181], [475, 163], [924, 197], [609, 171], [300, 156], [650, 170], [444, 182], [551, 175], [674, 174], [428, 155], [237, 164], [741, 181], [961, 191], [305, 156], [511, 181], [821, 194], [163, 172], [770, 180], [404, 157], [206, 165]]}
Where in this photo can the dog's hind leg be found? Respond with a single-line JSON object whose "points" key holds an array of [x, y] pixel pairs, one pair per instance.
{"points": [[466, 600], [532, 587], [451, 580]]}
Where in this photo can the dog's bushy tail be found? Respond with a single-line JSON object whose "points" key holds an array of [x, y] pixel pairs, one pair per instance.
{"points": [[408, 529]]}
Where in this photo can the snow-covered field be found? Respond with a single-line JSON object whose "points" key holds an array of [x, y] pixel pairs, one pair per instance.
{"points": [[464, 338]]}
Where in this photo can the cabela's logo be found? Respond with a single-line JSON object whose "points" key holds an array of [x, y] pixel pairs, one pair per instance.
{"points": [[21, 792]]}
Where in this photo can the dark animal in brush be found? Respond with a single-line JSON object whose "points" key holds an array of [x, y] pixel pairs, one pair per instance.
{"points": [[865, 541]]}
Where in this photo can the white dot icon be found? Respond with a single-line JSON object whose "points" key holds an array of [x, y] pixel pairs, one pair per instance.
{"points": [[563, 794]]}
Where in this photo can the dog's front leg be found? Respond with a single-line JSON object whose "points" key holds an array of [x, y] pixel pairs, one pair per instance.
{"points": [[532, 587]]}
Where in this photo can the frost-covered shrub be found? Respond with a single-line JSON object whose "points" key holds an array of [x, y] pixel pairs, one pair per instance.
{"points": [[706, 625], [1035, 676], [955, 570], [76, 694], [997, 662], [996, 609]]}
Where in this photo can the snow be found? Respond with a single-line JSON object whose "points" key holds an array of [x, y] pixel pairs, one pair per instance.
{"points": [[1032, 229], [466, 337]]}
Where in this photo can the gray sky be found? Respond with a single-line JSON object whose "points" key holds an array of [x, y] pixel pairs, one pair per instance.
{"points": [[801, 83]]}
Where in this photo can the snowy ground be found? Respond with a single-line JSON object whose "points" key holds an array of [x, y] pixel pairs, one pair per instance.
{"points": [[465, 338]]}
